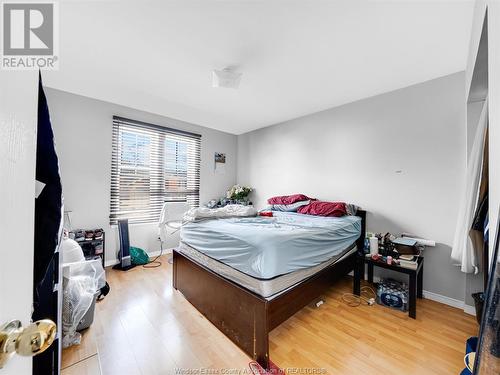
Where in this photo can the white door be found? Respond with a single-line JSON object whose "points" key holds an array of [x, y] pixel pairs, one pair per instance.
{"points": [[18, 122]]}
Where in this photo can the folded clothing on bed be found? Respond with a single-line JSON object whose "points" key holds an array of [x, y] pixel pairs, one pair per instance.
{"points": [[266, 247], [231, 210]]}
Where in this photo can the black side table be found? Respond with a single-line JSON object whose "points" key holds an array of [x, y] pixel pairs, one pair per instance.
{"points": [[415, 276]]}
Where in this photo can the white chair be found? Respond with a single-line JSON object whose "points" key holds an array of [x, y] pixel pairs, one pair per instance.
{"points": [[171, 217]]}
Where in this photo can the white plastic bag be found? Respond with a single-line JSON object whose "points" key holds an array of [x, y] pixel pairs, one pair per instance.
{"points": [[80, 283], [92, 268]]}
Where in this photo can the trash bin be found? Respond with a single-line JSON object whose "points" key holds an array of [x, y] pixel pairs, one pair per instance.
{"points": [[88, 318], [470, 347], [82, 283]]}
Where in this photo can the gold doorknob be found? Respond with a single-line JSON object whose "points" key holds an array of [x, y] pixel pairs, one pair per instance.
{"points": [[28, 342]]}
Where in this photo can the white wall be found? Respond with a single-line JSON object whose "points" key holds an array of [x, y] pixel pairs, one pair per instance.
{"points": [[83, 130], [353, 153]]}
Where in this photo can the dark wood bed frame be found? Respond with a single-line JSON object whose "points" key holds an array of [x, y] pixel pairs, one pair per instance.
{"points": [[245, 317]]}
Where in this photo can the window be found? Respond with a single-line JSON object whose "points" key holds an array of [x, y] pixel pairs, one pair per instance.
{"points": [[152, 165]]}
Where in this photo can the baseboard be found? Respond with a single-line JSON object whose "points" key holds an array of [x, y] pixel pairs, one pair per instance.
{"points": [[112, 262], [468, 309], [444, 299]]}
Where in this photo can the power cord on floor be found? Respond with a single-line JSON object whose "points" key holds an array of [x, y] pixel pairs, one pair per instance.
{"points": [[354, 300], [155, 263]]}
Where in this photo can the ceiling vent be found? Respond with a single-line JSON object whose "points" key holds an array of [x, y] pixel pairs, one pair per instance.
{"points": [[226, 78]]}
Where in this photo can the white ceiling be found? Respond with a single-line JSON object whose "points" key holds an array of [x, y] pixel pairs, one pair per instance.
{"points": [[297, 57]]}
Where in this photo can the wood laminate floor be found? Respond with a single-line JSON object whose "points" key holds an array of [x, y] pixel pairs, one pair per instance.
{"points": [[145, 327]]}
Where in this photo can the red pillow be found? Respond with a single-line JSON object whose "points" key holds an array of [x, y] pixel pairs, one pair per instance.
{"points": [[320, 208], [288, 199]]}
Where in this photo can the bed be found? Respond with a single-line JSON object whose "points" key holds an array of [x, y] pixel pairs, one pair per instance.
{"points": [[248, 275]]}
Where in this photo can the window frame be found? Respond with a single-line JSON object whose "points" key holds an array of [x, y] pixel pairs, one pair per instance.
{"points": [[183, 189]]}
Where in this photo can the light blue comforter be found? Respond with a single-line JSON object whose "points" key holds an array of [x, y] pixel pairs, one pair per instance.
{"points": [[265, 247]]}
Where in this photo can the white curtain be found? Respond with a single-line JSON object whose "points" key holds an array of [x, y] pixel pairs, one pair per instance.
{"points": [[463, 252]]}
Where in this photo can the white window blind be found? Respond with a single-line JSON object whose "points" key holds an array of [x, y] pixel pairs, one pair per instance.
{"points": [[151, 165]]}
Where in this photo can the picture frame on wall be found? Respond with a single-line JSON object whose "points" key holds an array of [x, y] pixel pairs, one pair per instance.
{"points": [[220, 157], [220, 163]]}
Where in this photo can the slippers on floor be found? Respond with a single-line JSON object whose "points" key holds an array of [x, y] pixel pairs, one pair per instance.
{"points": [[257, 369]]}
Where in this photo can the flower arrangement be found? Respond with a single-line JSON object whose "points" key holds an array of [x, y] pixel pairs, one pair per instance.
{"points": [[238, 193]]}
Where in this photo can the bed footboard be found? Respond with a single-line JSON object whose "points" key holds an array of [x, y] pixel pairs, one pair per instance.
{"points": [[238, 313]]}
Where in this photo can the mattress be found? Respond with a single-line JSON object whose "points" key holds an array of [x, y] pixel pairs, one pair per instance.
{"points": [[270, 288], [267, 247]]}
